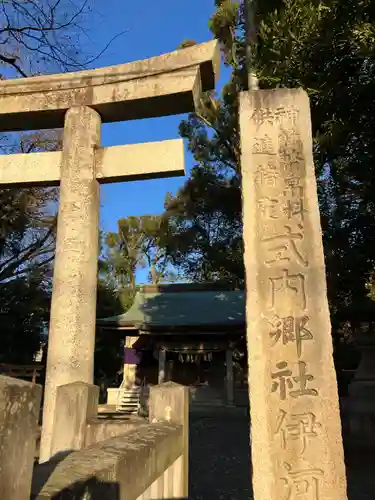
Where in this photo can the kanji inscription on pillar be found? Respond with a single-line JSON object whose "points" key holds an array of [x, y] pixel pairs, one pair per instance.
{"points": [[297, 449]]}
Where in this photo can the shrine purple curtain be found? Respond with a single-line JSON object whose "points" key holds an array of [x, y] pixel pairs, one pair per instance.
{"points": [[132, 356]]}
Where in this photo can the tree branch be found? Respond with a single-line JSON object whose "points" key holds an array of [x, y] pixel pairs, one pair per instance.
{"points": [[12, 62]]}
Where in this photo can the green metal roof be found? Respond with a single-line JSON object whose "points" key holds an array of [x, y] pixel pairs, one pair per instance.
{"points": [[179, 309]]}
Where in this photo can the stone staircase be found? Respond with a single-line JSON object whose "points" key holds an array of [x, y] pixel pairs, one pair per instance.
{"points": [[128, 400]]}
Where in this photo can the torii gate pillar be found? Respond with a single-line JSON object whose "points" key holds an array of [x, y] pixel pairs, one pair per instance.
{"points": [[161, 86], [71, 336]]}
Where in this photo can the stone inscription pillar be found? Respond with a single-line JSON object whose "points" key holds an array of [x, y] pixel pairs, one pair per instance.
{"points": [[296, 434], [71, 337]]}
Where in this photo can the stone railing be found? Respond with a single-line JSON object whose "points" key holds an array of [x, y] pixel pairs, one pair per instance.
{"points": [[19, 415], [145, 463], [148, 461]]}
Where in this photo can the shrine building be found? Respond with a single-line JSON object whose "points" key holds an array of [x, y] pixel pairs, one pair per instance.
{"points": [[191, 334]]}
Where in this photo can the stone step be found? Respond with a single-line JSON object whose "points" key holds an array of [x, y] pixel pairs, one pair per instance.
{"points": [[128, 400]]}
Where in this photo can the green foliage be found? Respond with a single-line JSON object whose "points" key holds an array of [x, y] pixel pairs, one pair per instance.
{"points": [[27, 240], [328, 48], [138, 244], [204, 237], [187, 43], [223, 24]]}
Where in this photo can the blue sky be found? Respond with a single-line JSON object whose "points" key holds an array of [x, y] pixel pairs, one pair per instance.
{"points": [[151, 28]]}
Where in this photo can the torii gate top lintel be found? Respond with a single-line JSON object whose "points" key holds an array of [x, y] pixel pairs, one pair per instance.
{"points": [[80, 102], [160, 86]]}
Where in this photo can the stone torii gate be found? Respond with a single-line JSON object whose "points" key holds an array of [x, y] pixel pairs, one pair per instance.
{"points": [[80, 102]]}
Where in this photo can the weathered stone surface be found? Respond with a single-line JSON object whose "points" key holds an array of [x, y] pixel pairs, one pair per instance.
{"points": [[71, 337], [169, 402], [167, 485], [113, 164], [77, 403], [126, 465], [81, 101], [36, 169], [296, 436], [150, 160], [160, 86], [98, 430], [19, 414]]}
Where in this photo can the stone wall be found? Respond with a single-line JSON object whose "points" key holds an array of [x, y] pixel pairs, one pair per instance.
{"points": [[99, 429], [148, 460], [131, 463], [19, 412]]}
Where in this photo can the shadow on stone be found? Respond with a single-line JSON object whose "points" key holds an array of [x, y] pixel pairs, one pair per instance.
{"points": [[42, 472], [92, 488]]}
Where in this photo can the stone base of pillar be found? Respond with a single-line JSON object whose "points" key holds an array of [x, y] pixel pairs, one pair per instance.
{"points": [[112, 396], [77, 404]]}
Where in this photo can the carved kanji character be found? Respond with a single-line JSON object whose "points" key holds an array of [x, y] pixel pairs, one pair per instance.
{"points": [[301, 381], [269, 207], [283, 380], [268, 174], [263, 115], [263, 145], [283, 247], [291, 152], [290, 329], [288, 283], [297, 427], [302, 484], [286, 115]]}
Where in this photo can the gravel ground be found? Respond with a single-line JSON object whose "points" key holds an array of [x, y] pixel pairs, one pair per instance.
{"points": [[219, 457], [220, 460]]}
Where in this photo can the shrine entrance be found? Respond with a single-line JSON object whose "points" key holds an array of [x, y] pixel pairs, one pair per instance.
{"points": [[189, 334], [202, 367]]}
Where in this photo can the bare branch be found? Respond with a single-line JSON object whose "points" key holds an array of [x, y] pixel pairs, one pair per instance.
{"points": [[43, 35], [12, 62]]}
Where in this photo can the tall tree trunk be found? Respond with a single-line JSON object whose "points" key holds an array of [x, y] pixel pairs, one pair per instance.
{"points": [[155, 276]]}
